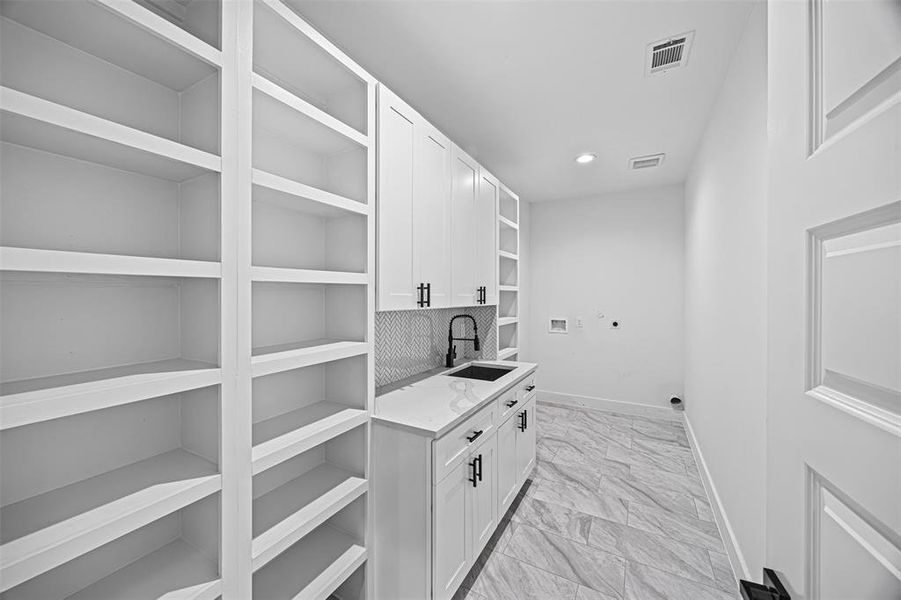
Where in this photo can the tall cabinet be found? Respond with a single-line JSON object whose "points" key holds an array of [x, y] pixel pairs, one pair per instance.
{"points": [[187, 256]]}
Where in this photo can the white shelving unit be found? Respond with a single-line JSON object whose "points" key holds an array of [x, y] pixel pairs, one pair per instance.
{"points": [[309, 253], [186, 302], [112, 299], [507, 274]]}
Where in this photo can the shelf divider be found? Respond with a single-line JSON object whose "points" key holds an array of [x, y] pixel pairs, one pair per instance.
{"points": [[35, 400], [63, 261], [301, 190], [284, 357], [281, 275]]}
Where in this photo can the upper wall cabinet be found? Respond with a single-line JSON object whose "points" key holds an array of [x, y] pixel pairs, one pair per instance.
{"points": [[465, 196], [486, 237], [413, 209], [437, 216]]}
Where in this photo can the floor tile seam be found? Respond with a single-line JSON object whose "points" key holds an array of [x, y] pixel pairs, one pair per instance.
{"points": [[577, 583], [685, 579], [681, 540]]}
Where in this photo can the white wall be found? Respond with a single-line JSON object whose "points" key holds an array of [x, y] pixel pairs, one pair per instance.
{"points": [[621, 255], [725, 295]]}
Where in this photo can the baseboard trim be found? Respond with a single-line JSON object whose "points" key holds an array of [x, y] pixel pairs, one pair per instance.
{"points": [[733, 551], [606, 404]]}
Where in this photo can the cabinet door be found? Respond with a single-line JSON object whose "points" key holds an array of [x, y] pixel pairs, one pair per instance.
{"points": [[525, 442], [465, 173], [431, 212], [483, 496], [507, 470], [486, 236], [397, 133], [451, 532]]}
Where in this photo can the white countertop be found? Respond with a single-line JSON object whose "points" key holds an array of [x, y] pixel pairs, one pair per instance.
{"points": [[436, 404]]}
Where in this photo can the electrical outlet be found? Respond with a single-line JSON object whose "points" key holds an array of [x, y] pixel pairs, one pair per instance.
{"points": [[579, 322]]}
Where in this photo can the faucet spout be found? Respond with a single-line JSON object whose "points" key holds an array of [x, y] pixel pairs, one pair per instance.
{"points": [[451, 348]]}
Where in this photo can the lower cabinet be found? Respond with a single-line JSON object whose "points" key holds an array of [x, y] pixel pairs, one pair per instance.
{"points": [[525, 441], [451, 533], [464, 515], [437, 502], [515, 453]]}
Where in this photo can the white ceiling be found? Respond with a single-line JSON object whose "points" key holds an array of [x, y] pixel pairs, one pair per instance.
{"points": [[526, 86]]}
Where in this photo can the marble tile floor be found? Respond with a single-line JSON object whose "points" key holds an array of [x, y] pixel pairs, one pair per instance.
{"points": [[615, 510]]}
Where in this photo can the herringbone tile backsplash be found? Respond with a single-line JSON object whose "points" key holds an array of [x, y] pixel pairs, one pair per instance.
{"points": [[408, 342]]}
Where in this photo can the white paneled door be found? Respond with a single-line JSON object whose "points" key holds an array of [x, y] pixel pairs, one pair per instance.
{"points": [[834, 287]]}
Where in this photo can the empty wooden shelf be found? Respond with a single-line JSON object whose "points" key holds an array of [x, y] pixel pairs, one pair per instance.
{"points": [[55, 128], [287, 435], [45, 398], [44, 531], [311, 569], [282, 357], [56, 261], [289, 512], [176, 571]]}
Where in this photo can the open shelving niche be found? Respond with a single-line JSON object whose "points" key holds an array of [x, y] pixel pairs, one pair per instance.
{"points": [[110, 314], [311, 261], [508, 274]]}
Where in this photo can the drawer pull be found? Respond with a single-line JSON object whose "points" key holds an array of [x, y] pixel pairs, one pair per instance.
{"points": [[512, 403], [475, 434], [523, 420], [476, 465], [529, 388]]}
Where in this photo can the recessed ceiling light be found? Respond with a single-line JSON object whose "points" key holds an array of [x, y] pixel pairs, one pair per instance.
{"points": [[584, 159]]}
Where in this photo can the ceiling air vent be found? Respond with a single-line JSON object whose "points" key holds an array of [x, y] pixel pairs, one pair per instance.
{"points": [[669, 53], [646, 162]]}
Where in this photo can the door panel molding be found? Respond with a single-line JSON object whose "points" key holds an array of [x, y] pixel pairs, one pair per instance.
{"points": [[872, 98], [828, 506], [864, 400]]}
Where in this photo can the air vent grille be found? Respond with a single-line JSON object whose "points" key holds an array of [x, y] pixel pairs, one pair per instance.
{"points": [[669, 53], [646, 162]]}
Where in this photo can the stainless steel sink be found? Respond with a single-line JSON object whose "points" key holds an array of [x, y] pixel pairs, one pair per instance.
{"points": [[481, 372]]}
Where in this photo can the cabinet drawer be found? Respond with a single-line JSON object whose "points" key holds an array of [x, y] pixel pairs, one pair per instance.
{"points": [[449, 450], [507, 403], [525, 390]]}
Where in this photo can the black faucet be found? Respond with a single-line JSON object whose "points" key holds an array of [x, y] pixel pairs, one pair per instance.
{"points": [[451, 348]]}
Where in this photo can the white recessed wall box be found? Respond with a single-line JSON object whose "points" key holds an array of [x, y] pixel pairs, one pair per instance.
{"points": [[558, 325]]}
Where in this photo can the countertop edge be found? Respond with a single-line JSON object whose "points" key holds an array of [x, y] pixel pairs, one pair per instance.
{"points": [[432, 433]]}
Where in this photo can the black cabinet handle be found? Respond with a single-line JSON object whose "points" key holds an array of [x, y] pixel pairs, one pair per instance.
{"points": [[474, 479], [420, 289], [483, 295], [522, 421], [428, 294], [529, 388], [475, 434], [480, 467], [512, 403]]}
